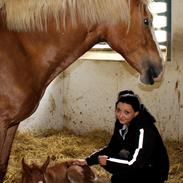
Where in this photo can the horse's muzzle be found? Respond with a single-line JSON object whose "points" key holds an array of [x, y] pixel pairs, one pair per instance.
{"points": [[152, 74]]}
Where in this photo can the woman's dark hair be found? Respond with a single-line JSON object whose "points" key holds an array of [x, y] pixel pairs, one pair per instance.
{"points": [[131, 99]]}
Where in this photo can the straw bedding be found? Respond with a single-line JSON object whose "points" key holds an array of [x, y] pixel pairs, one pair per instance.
{"points": [[65, 145]]}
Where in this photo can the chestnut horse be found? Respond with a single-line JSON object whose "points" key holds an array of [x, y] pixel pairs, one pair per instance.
{"points": [[39, 39], [64, 172]]}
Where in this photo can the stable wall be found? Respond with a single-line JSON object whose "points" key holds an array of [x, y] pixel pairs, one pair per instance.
{"points": [[82, 98]]}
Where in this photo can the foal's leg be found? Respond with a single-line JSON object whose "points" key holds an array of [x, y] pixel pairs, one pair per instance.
{"points": [[6, 149]]}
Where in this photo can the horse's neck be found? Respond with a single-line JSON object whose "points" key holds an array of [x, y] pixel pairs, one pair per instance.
{"points": [[57, 55]]}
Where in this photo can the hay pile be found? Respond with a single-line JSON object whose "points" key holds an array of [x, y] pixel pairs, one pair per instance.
{"points": [[65, 145]]}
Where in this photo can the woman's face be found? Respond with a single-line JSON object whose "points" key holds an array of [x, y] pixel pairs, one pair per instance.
{"points": [[125, 113]]}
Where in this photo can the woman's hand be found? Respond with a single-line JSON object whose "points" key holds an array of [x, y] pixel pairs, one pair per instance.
{"points": [[79, 162], [102, 160]]}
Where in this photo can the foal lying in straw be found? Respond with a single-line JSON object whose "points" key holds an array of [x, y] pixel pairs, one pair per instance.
{"points": [[65, 172]]}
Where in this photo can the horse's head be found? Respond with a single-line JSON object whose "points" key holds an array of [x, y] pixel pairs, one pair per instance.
{"points": [[34, 173], [133, 37]]}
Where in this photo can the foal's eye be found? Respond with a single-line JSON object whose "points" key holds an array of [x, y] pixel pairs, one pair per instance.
{"points": [[146, 22]]}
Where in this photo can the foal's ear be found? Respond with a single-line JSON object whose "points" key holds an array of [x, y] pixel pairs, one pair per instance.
{"points": [[44, 166], [25, 166]]}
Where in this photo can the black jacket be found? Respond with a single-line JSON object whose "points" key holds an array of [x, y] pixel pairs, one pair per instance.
{"points": [[144, 144]]}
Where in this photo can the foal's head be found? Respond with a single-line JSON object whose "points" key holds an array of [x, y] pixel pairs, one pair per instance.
{"points": [[34, 173]]}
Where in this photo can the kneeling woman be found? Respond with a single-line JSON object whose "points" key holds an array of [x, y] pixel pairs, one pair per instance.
{"points": [[136, 152]]}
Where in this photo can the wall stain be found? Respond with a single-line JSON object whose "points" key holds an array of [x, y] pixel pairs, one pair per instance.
{"points": [[178, 95], [53, 104], [176, 84], [178, 43]]}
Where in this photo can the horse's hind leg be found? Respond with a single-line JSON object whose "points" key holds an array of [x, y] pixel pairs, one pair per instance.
{"points": [[6, 149]]}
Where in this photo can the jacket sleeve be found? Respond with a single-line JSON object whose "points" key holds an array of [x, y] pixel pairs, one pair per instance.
{"points": [[107, 150], [145, 144]]}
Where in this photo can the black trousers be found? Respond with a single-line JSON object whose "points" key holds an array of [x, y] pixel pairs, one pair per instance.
{"points": [[134, 175]]}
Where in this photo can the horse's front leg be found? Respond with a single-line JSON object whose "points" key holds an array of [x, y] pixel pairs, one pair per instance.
{"points": [[8, 136], [3, 133]]}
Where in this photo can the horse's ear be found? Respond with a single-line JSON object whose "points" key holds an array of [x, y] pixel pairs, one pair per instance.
{"points": [[44, 166], [25, 166]]}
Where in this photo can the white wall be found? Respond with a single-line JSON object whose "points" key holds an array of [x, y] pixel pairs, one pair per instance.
{"points": [[49, 113], [84, 95], [92, 88]]}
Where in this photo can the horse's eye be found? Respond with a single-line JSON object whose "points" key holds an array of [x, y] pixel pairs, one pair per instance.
{"points": [[146, 22]]}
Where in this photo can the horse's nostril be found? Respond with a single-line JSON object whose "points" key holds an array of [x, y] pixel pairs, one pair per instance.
{"points": [[152, 72]]}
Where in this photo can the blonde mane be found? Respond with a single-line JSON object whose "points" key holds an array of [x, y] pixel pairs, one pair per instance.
{"points": [[30, 15]]}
